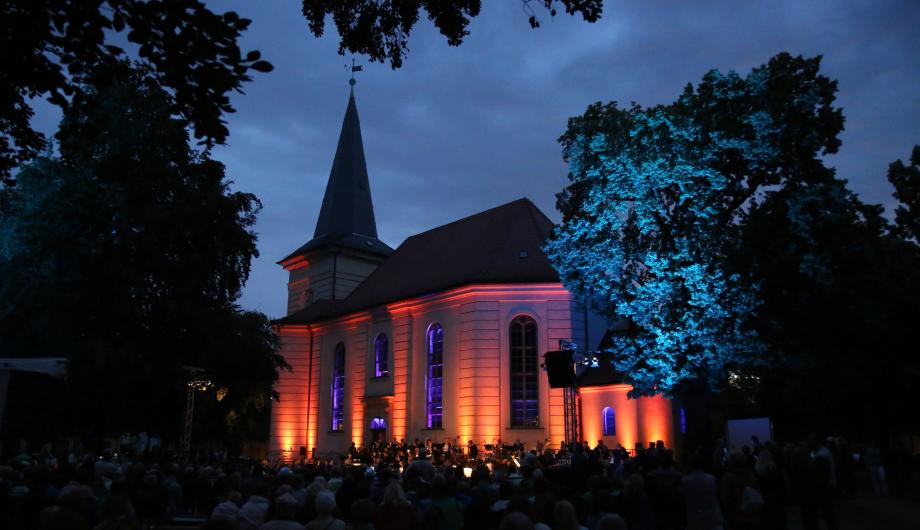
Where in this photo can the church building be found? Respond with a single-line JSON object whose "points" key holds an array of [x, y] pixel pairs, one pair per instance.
{"points": [[442, 338]]}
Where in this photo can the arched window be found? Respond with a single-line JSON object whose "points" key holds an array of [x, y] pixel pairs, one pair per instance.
{"points": [[381, 356], [378, 423], [525, 390], [610, 422], [338, 388], [435, 377]]}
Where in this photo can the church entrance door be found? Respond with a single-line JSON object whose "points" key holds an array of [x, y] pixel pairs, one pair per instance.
{"points": [[378, 429]]}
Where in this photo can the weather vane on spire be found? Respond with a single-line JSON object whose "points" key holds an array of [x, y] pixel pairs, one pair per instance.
{"points": [[354, 68]]}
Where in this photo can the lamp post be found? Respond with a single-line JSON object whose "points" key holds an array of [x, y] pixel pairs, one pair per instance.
{"points": [[197, 382]]}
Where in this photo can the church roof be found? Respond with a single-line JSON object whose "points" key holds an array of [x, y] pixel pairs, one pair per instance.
{"points": [[346, 218], [501, 245]]}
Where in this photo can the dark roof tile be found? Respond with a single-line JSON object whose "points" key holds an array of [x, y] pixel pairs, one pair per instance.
{"points": [[501, 245]]}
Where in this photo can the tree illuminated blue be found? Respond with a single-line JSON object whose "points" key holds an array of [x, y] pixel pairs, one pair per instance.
{"points": [[656, 205]]}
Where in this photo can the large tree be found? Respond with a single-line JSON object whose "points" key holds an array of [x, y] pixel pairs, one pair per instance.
{"points": [[657, 200], [51, 46], [126, 254], [714, 228], [381, 30]]}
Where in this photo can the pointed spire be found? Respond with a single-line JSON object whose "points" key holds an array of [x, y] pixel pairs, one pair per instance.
{"points": [[347, 206]]}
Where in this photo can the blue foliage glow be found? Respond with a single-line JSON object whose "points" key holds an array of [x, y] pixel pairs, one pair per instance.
{"points": [[646, 243]]}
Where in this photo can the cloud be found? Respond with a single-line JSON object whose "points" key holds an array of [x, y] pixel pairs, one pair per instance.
{"points": [[461, 129]]}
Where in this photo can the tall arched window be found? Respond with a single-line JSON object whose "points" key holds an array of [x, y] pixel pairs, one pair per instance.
{"points": [[435, 378], [525, 392], [338, 388], [610, 422], [381, 356]]}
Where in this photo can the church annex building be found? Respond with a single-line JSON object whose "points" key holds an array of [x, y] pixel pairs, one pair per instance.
{"points": [[442, 338]]}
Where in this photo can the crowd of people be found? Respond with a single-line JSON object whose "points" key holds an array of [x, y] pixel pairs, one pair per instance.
{"points": [[420, 485]]}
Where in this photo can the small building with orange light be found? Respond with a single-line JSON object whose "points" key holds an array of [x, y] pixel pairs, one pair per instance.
{"points": [[442, 338]]}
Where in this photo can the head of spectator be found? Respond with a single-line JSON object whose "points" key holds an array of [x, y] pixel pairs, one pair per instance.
{"points": [[394, 494], [286, 507], [564, 515], [324, 503], [516, 521], [611, 521]]}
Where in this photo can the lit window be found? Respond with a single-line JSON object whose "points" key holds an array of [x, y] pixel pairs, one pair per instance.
{"points": [[338, 388], [525, 390], [610, 422], [435, 376], [378, 423], [381, 356], [682, 416]]}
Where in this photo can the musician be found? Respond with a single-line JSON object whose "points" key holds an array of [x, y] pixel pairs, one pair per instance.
{"points": [[472, 449]]}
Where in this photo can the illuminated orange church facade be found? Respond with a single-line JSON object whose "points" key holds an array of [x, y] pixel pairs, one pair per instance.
{"points": [[442, 338]]}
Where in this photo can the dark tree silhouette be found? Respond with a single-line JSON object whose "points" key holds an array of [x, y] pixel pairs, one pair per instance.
{"points": [[51, 46], [906, 181], [126, 254], [381, 30]]}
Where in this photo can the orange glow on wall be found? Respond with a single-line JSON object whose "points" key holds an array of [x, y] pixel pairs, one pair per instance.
{"points": [[295, 262], [657, 423], [593, 402], [398, 405], [491, 292], [640, 420], [473, 408]]}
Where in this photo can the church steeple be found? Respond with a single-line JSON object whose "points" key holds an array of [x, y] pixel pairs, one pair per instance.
{"points": [[345, 248], [347, 206]]}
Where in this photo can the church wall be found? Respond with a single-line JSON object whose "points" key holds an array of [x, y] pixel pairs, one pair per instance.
{"points": [[422, 318], [641, 420], [298, 284], [400, 373], [657, 422], [478, 409], [289, 414], [312, 279], [593, 402], [326, 439], [476, 397]]}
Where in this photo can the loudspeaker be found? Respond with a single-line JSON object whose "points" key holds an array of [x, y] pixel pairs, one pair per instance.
{"points": [[559, 368]]}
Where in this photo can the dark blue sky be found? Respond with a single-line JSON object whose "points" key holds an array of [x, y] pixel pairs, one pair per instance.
{"points": [[459, 130]]}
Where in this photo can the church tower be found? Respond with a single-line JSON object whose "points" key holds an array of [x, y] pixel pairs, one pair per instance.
{"points": [[344, 249]]}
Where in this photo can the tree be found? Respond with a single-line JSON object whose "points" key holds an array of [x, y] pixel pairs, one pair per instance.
{"points": [[906, 182], [126, 253], [657, 202], [839, 293], [381, 29], [714, 220], [51, 47]]}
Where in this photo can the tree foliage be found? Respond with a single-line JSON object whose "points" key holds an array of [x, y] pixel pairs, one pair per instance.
{"points": [[714, 227], [839, 293], [51, 47], [906, 182], [126, 254], [381, 30], [657, 199]]}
